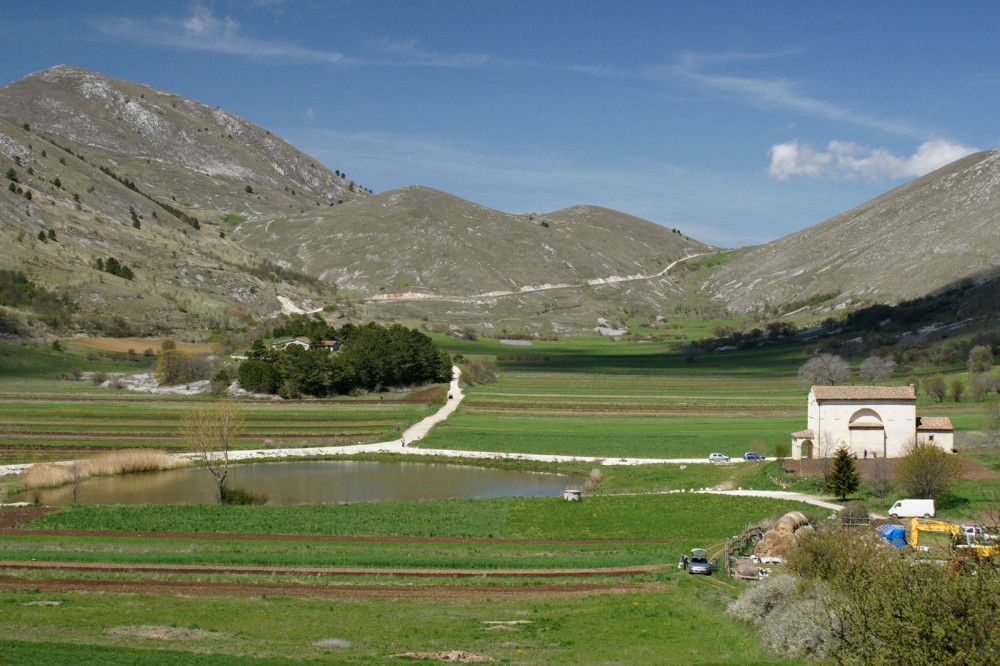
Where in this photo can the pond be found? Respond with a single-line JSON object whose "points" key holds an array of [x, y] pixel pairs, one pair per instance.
{"points": [[312, 482]]}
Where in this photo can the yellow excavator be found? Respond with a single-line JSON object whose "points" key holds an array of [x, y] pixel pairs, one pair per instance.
{"points": [[959, 540]]}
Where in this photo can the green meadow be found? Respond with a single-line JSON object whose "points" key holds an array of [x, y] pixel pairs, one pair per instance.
{"points": [[445, 574]]}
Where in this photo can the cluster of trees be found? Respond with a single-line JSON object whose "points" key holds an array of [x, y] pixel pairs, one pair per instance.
{"points": [[926, 471], [178, 367], [18, 291], [115, 267], [372, 358]]}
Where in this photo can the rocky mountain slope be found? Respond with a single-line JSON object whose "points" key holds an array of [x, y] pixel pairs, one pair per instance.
{"points": [[221, 221], [917, 239], [420, 253], [97, 168]]}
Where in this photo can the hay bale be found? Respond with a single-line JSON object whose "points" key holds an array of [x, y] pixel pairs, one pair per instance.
{"points": [[804, 530], [798, 518], [746, 569]]}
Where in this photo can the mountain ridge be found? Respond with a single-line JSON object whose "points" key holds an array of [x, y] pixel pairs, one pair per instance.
{"points": [[911, 241]]}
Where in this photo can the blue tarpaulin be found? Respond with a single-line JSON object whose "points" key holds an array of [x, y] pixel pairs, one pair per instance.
{"points": [[894, 534]]}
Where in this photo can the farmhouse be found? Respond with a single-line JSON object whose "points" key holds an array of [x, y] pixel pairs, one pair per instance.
{"points": [[307, 343], [877, 420]]}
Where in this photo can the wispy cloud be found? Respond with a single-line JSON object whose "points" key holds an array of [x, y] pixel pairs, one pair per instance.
{"points": [[773, 92], [204, 31], [845, 160]]}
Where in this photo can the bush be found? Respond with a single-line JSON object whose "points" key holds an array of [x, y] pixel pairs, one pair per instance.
{"points": [[241, 496], [478, 371], [792, 619], [854, 511], [927, 471]]}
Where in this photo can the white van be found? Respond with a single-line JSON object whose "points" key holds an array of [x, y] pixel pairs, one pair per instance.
{"points": [[913, 508]]}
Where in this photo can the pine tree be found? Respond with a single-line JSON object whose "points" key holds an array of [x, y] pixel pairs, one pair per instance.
{"points": [[842, 478]]}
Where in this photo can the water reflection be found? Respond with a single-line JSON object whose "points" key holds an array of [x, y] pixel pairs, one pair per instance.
{"points": [[313, 482]]}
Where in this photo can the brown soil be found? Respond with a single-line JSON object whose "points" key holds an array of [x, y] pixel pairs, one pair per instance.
{"points": [[316, 590], [15, 516], [973, 469], [161, 569], [6, 530]]}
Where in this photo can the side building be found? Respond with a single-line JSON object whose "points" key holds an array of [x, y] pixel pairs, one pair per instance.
{"points": [[869, 420]]}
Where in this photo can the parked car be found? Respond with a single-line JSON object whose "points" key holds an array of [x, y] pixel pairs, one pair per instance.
{"points": [[700, 564], [718, 457], [752, 455]]}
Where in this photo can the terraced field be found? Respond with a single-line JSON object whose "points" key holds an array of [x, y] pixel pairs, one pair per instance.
{"points": [[626, 400], [60, 425], [530, 581]]}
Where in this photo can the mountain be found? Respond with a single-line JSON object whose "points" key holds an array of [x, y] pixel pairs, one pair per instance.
{"points": [[416, 251], [923, 237], [119, 170], [223, 223]]}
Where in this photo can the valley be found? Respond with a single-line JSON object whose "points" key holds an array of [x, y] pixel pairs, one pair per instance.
{"points": [[139, 225]]}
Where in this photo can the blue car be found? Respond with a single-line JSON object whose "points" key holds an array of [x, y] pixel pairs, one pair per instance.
{"points": [[751, 456]]}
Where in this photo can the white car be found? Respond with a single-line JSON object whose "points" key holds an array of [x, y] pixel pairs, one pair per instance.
{"points": [[718, 457]]}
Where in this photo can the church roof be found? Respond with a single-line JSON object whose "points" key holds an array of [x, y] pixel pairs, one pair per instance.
{"points": [[868, 393]]}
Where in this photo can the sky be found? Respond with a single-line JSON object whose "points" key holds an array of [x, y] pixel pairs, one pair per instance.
{"points": [[735, 122]]}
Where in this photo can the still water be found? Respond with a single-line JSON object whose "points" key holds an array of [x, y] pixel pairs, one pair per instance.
{"points": [[314, 482]]}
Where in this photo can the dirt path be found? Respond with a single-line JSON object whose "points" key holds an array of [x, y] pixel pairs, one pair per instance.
{"points": [[219, 569], [476, 298], [319, 590]]}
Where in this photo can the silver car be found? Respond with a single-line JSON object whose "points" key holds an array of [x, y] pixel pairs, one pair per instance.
{"points": [[699, 563]]}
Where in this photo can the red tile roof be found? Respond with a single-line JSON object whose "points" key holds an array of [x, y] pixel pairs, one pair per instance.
{"points": [[864, 393], [934, 423]]}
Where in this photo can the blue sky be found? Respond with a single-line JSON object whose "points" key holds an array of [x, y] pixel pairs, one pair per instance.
{"points": [[736, 122]]}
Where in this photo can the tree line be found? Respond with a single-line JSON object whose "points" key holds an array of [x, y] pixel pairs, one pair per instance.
{"points": [[372, 358]]}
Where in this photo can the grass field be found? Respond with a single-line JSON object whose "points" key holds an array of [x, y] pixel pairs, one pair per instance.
{"points": [[523, 581], [650, 617]]}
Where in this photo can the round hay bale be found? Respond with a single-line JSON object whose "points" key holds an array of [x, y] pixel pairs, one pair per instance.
{"points": [[797, 518], [802, 531], [783, 526], [747, 569]]}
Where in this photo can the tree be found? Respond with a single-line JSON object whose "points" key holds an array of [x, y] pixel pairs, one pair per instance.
{"points": [[211, 430], [874, 369], [248, 189], [842, 478], [957, 389], [926, 471], [881, 481], [825, 369], [980, 359], [881, 607], [935, 387]]}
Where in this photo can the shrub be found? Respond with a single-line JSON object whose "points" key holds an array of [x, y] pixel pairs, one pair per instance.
{"points": [[854, 511], [479, 371], [927, 471], [241, 496]]}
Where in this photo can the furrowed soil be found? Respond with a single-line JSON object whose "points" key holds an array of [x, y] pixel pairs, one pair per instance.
{"points": [[973, 470], [310, 590]]}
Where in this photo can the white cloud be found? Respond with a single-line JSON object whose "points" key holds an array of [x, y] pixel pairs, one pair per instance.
{"points": [[309, 114], [845, 160]]}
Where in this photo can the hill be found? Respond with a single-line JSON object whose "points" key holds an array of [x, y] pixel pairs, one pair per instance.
{"points": [[98, 168], [220, 222], [423, 253], [918, 239]]}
